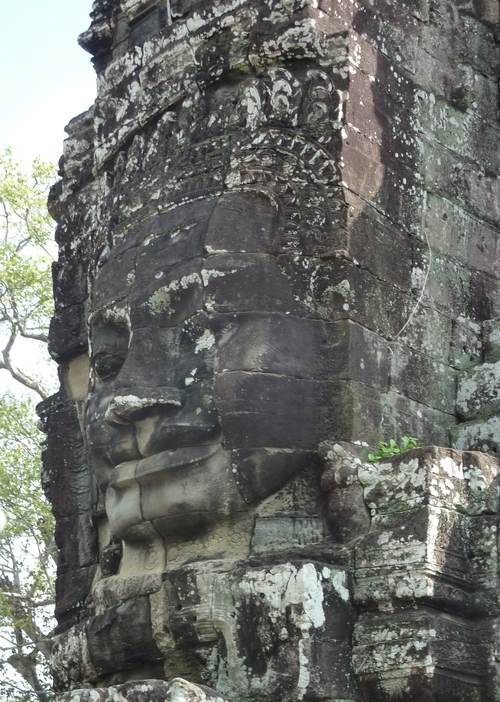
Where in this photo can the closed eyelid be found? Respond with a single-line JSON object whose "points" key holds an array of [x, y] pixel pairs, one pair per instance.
{"points": [[116, 349], [109, 337]]}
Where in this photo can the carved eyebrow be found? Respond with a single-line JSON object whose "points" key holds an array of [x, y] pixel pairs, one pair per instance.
{"points": [[118, 316]]}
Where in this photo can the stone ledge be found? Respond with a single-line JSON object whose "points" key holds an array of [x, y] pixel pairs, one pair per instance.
{"points": [[178, 690]]}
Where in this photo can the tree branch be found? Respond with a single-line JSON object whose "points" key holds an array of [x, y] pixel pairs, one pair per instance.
{"points": [[26, 667], [29, 600], [33, 335], [15, 372]]}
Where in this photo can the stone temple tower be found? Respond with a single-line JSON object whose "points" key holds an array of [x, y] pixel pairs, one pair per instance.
{"points": [[278, 245]]}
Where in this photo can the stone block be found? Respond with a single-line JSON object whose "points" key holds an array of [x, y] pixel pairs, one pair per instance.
{"points": [[396, 40], [384, 71], [145, 26], [175, 236], [260, 472], [72, 589], [446, 227], [340, 289], [478, 393], [419, 656], [460, 182], [447, 281], [70, 660], [433, 526], [69, 280], [412, 563], [461, 131], [65, 460], [375, 243], [485, 295], [483, 560], [377, 114], [480, 435], [384, 181], [251, 420], [245, 222], [118, 273], [423, 379], [285, 533], [404, 417], [347, 513], [466, 348], [491, 340], [444, 478], [247, 283], [121, 638], [177, 690], [272, 599], [269, 343], [355, 353], [167, 299], [81, 550], [373, 112], [428, 332], [68, 335], [478, 50], [363, 425]]}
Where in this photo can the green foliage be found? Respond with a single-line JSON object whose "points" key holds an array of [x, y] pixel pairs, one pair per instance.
{"points": [[26, 231], [385, 450], [27, 549]]}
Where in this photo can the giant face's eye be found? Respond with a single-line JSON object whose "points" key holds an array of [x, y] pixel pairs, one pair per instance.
{"points": [[107, 365]]}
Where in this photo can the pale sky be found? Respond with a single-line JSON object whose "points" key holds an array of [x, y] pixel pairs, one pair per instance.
{"points": [[46, 78]]}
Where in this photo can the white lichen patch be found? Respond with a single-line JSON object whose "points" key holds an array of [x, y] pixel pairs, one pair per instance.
{"points": [[296, 593], [391, 483], [451, 468], [476, 478], [122, 407], [161, 300], [205, 342], [481, 434], [339, 583], [114, 315], [211, 250], [208, 274], [479, 394]]}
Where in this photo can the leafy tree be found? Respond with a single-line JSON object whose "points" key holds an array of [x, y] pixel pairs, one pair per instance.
{"points": [[27, 549], [27, 552], [26, 230]]}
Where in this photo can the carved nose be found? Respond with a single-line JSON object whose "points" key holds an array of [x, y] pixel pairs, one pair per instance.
{"points": [[133, 404]]}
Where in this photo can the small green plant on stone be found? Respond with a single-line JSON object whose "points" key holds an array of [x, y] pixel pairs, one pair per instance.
{"points": [[385, 450]]}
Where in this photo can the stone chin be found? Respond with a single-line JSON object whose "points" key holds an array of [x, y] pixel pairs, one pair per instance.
{"points": [[182, 493]]}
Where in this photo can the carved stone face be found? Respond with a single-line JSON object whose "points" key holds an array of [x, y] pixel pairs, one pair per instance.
{"points": [[204, 399]]}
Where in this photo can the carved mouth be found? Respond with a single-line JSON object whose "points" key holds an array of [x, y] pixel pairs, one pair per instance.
{"points": [[165, 461]]}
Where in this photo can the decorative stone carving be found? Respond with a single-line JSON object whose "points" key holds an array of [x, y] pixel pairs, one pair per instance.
{"points": [[268, 228], [427, 577], [178, 690]]}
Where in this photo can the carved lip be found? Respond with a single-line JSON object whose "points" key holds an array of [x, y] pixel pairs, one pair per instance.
{"points": [[125, 473]]}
